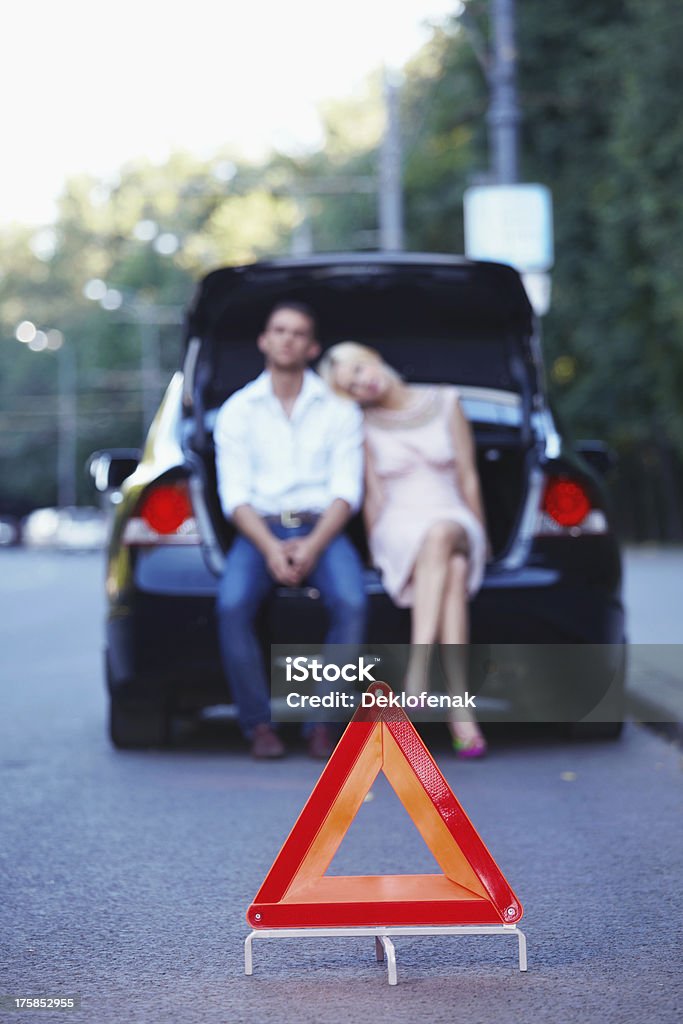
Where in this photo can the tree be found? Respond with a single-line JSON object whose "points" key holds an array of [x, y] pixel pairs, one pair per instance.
{"points": [[97, 235], [599, 93]]}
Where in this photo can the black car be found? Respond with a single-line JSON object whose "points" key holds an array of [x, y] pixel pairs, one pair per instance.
{"points": [[552, 586]]}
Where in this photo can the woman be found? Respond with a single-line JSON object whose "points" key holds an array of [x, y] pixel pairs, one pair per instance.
{"points": [[423, 512]]}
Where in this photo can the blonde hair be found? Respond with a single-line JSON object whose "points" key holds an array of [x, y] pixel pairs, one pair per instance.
{"points": [[341, 353]]}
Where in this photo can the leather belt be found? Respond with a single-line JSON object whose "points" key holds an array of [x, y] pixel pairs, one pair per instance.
{"points": [[291, 520]]}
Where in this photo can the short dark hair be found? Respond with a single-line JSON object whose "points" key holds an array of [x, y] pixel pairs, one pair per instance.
{"points": [[298, 307]]}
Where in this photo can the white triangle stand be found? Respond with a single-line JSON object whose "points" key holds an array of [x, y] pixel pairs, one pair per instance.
{"points": [[382, 937]]}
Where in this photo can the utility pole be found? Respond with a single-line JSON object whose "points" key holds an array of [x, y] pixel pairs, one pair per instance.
{"points": [[150, 317], [505, 220], [150, 367], [302, 236], [66, 426], [390, 185], [503, 115]]}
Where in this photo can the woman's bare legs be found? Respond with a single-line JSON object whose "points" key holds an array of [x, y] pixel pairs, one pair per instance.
{"points": [[417, 670], [430, 578], [453, 635], [454, 621], [440, 614]]}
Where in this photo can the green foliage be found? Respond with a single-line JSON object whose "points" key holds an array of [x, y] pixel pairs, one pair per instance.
{"points": [[96, 236], [602, 128], [599, 90]]}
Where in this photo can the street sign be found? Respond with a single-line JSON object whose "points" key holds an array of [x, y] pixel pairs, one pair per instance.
{"points": [[297, 893], [510, 224]]}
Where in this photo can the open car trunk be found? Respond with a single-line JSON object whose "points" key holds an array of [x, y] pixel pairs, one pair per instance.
{"points": [[436, 319]]}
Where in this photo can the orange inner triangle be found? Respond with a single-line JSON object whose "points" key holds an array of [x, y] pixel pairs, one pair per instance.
{"points": [[459, 881]]}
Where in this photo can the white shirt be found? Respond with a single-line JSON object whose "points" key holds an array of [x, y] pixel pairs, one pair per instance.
{"points": [[277, 463]]}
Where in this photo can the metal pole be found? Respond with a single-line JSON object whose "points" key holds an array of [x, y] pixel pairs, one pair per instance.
{"points": [[504, 115], [150, 365], [66, 426], [390, 184], [302, 235]]}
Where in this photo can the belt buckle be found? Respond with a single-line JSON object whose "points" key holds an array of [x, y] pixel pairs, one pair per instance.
{"points": [[290, 519]]}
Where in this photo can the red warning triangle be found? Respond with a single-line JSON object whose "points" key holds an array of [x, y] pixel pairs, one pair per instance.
{"points": [[298, 894]]}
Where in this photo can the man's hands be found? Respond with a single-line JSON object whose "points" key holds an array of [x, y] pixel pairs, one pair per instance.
{"points": [[291, 561], [303, 552], [279, 564]]}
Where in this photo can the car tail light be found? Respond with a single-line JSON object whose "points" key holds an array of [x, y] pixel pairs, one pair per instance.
{"points": [[566, 501], [163, 516], [165, 509], [566, 508]]}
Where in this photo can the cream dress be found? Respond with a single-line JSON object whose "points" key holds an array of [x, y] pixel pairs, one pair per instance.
{"points": [[417, 469]]}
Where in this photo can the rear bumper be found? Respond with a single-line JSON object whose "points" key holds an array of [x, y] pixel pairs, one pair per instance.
{"points": [[519, 610], [162, 642]]}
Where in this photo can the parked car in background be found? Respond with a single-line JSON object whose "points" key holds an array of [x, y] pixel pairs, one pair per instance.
{"points": [[66, 529], [555, 574], [10, 531]]}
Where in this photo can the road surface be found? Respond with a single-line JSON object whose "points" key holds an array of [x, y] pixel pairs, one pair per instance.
{"points": [[126, 876]]}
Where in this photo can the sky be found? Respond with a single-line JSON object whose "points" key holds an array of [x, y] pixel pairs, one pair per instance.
{"points": [[87, 85]]}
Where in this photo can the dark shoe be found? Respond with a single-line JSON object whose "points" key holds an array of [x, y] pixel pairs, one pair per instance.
{"points": [[320, 743], [265, 743]]}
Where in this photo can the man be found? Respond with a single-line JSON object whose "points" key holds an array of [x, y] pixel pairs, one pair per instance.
{"points": [[289, 464]]}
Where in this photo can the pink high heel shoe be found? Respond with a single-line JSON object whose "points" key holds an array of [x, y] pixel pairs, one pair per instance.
{"points": [[470, 747]]}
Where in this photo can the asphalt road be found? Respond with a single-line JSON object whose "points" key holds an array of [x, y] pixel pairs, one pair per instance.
{"points": [[125, 877]]}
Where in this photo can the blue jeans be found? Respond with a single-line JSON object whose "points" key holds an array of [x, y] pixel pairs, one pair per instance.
{"points": [[245, 585]]}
